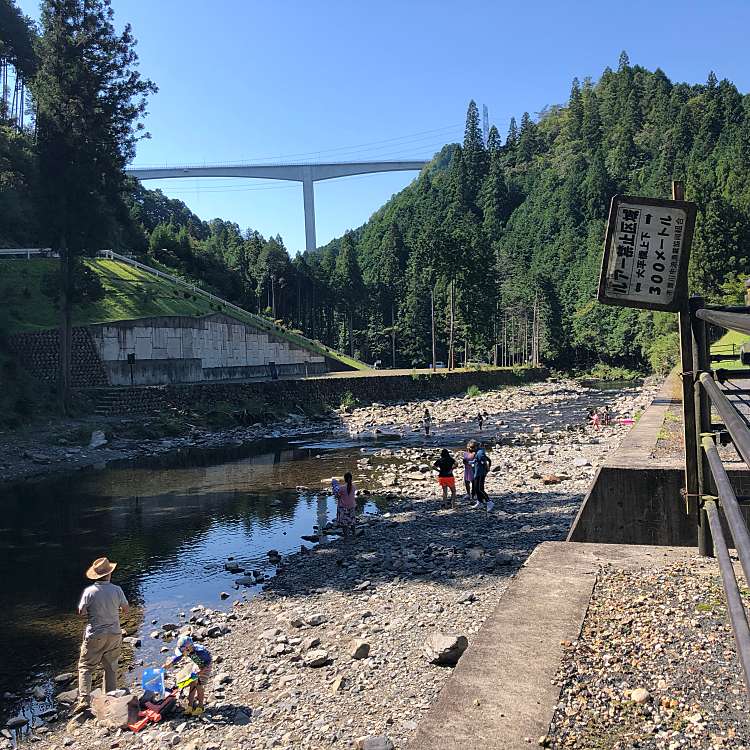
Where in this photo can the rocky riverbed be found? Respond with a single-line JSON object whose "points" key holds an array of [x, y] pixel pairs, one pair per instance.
{"points": [[63, 446], [654, 667], [343, 642]]}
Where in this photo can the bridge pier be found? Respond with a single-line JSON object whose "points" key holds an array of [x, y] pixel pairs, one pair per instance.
{"points": [[308, 193]]}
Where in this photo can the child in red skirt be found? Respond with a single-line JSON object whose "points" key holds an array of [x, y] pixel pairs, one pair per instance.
{"points": [[445, 466]]}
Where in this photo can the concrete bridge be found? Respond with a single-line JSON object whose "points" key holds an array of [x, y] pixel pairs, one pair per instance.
{"points": [[307, 174]]}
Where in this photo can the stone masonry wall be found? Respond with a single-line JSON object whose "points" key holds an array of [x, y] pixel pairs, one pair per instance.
{"points": [[291, 394], [39, 353]]}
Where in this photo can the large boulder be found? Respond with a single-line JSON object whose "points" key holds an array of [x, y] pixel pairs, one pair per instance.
{"points": [[444, 649], [115, 712]]}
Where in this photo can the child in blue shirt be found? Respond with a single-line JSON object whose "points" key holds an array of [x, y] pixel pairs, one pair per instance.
{"points": [[201, 657]]}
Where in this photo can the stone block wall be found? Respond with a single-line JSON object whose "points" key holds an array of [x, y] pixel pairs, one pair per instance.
{"points": [[39, 353], [292, 394]]}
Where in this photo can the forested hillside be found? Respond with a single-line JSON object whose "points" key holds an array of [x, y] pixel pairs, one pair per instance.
{"points": [[507, 227], [524, 219], [490, 236]]}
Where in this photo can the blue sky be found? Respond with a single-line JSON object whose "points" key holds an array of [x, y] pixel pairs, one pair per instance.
{"points": [[291, 80]]}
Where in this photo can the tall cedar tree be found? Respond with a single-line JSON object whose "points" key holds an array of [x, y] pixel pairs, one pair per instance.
{"points": [[89, 98], [348, 283]]}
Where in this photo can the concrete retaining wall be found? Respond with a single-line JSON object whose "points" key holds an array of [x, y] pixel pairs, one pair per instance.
{"points": [[636, 499], [182, 349], [292, 394]]}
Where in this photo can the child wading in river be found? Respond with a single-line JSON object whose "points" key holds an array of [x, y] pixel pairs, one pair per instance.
{"points": [[346, 504], [426, 422], [445, 465], [201, 657]]}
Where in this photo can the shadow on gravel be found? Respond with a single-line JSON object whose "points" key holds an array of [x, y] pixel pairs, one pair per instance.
{"points": [[428, 543], [230, 714]]}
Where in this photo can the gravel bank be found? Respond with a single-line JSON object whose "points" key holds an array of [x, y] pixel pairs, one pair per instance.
{"points": [[288, 676], [655, 666]]}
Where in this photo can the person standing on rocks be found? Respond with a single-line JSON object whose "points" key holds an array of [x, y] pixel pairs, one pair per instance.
{"points": [[346, 504], [469, 457], [482, 465], [101, 604], [445, 465], [480, 420], [426, 422]]}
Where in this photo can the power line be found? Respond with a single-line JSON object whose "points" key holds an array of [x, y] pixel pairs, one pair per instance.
{"points": [[350, 148]]}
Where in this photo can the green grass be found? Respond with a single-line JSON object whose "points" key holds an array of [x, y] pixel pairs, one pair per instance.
{"points": [[724, 346], [130, 293]]}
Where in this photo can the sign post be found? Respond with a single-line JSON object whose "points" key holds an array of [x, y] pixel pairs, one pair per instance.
{"points": [[645, 265], [646, 253]]}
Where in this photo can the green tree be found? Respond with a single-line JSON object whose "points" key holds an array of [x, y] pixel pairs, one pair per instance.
{"points": [[90, 98], [348, 284]]}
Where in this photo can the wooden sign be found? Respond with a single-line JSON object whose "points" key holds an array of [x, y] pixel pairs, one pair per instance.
{"points": [[646, 253]]}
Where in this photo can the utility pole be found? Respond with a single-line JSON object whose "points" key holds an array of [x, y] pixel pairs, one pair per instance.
{"points": [[432, 312], [451, 353]]}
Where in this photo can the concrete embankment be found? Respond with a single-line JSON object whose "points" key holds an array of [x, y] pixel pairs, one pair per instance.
{"points": [[636, 496], [299, 393]]}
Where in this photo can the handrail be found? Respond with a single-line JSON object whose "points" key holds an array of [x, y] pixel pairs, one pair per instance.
{"points": [[729, 505], [735, 607], [734, 423], [734, 321], [714, 487]]}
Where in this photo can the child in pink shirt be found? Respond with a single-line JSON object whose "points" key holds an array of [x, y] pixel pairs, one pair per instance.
{"points": [[346, 504]]}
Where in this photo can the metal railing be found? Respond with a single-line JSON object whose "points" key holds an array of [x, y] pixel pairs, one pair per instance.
{"points": [[257, 319], [27, 252], [713, 393]]}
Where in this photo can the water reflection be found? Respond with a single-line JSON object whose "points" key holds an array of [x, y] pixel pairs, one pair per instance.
{"points": [[169, 528]]}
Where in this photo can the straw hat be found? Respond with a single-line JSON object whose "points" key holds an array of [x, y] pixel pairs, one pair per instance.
{"points": [[100, 568]]}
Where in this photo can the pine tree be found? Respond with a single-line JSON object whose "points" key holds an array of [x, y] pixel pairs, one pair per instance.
{"points": [[512, 139], [575, 111], [494, 144], [494, 201], [90, 98], [527, 141]]}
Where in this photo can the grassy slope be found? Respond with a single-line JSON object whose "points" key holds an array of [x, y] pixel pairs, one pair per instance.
{"points": [[130, 293], [724, 346]]}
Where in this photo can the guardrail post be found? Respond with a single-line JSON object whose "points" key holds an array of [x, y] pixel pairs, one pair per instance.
{"points": [[692, 490], [702, 420]]}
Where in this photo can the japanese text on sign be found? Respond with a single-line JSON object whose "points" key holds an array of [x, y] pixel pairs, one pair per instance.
{"points": [[644, 255]]}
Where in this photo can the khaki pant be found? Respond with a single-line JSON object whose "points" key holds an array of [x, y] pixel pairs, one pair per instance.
{"points": [[98, 649]]}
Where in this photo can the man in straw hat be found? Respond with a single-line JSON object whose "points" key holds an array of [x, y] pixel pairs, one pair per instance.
{"points": [[100, 604]]}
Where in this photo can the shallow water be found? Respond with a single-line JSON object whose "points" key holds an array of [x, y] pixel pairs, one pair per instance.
{"points": [[170, 529]]}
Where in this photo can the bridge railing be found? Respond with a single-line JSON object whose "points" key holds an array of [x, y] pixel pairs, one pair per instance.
{"points": [[715, 393]]}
